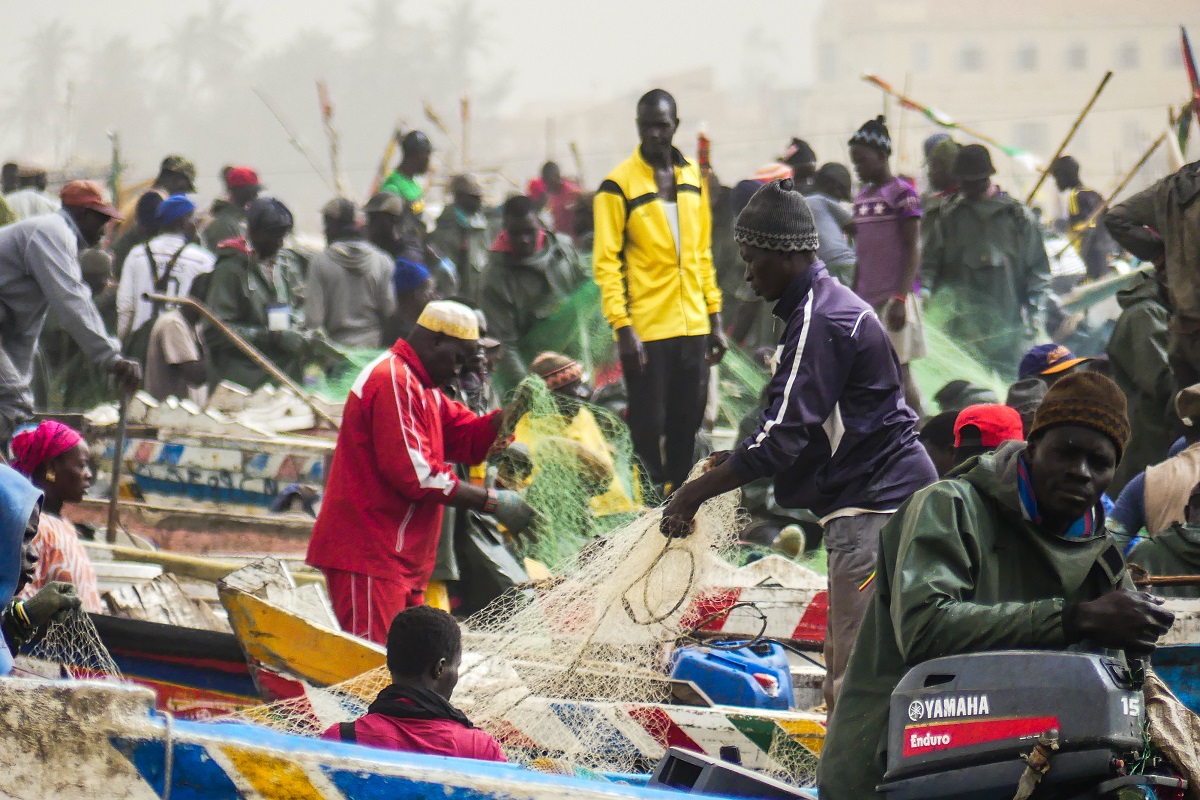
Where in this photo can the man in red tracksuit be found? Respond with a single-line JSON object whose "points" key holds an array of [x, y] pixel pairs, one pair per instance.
{"points": [[377, 534]]}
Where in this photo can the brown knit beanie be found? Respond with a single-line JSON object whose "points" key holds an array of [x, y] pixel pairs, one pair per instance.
{"points": [[556, 370], [777, 218], [1089, 400]]}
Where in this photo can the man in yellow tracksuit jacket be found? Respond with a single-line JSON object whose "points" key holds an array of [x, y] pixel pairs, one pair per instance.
{"points": [[652, 259]]}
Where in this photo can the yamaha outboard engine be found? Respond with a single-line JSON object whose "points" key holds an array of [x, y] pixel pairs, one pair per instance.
{"points": [[964, 726]]}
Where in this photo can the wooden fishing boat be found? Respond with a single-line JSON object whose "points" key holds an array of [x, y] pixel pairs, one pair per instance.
{"points": [[194, 674], [186, 526], [273, 637], [104, 740], [237, 473]]}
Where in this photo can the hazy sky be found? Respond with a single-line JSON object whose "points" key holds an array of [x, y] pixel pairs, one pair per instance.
{"points": [[556, 49]]}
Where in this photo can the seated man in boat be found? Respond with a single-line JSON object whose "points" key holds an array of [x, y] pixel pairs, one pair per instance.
{"points": [[1173, 551], [414, 715], [1009, 554], [20, 509], [55, 458], [376, 535]]}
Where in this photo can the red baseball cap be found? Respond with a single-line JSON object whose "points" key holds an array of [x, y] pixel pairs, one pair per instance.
{"points": [[997, 424], [88, 194], [241, 176]]}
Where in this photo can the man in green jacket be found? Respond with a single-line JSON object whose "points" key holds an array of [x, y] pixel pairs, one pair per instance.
{"points": [[530, 274], [1138, 352], [985, 261], [252, 294], [415, 152], [461, 235], [1162, 225], [1010, 553], [1174, 551]]}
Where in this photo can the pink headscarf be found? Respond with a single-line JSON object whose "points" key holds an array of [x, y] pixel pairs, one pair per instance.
{"points": [[34, 447]]}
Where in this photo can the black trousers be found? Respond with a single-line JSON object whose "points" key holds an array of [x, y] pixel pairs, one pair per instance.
{"points": [[666, 406]]}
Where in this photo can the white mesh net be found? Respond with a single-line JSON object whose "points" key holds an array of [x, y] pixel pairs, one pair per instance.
{"points": [[568, 676], [72, 641]]}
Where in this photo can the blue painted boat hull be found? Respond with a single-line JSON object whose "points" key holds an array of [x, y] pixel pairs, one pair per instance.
{"points": [[1178, 665]]}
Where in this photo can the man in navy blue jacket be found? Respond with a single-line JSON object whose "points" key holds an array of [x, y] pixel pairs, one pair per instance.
{"points": [[837, 435]]}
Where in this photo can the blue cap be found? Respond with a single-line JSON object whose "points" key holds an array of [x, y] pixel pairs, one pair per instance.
{"points": [[1048, 359], [175, 207], [408, 275]]}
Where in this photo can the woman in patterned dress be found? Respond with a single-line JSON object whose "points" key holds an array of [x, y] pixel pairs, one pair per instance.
{"points": [[55, 458]]}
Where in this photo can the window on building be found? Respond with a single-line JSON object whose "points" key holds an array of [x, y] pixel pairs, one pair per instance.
{"points": [[1128, 56], [920, 56], [970, 58], [1173, 56], [1077, 56], [1031, 136], [827, 66], [1026, 58]]}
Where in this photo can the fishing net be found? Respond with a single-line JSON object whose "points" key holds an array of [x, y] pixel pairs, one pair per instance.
{"points": [[575, 465], [345, 365], [72, 641], [974, 349], [575, 671]]}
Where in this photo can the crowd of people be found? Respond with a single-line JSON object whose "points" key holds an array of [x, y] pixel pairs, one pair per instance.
{"points": [[952, 522]]}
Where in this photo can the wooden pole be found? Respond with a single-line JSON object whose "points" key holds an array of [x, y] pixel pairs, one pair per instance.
{"points": [[294, 139], [464, 111], [1168, 580], [902, 161], [1072, 236], [331, 136], [114, 491], [578, 163], [1070, 135], [389, 152], [250, 350], [934, 115]]}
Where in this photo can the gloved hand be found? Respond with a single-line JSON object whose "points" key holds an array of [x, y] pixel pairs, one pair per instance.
{"points": [[512, 511], [1123, 619], [52, 601], [523, 398], [290, 341]]}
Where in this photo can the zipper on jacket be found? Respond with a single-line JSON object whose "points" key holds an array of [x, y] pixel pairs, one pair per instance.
{"points": [[679, 252]]}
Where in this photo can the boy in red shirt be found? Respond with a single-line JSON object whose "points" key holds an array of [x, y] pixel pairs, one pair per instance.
{"points": [[414, 715]]}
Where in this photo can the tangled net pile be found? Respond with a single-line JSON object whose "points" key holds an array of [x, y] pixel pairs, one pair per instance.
{"points": [[73, 642], [601, 632]]}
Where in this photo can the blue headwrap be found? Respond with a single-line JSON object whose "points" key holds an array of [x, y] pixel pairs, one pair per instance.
{"points": [[18, 499], [408, 275], [175, 207]]}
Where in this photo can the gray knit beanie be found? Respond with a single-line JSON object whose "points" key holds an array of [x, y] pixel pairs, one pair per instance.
{"points": [[777, 218]]}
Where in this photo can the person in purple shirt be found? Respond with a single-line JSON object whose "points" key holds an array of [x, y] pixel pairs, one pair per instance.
{"points": [[837, 435], [887, 219]]}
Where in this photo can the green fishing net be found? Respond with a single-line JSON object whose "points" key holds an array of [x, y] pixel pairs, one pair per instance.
{"points": [[947, 359], [575, 462]]}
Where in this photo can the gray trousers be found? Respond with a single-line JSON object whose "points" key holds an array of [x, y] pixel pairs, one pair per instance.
{"points": [[853, 545]]}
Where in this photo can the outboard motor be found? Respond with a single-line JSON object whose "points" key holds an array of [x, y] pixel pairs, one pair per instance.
{"points": [[965, 726]]}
